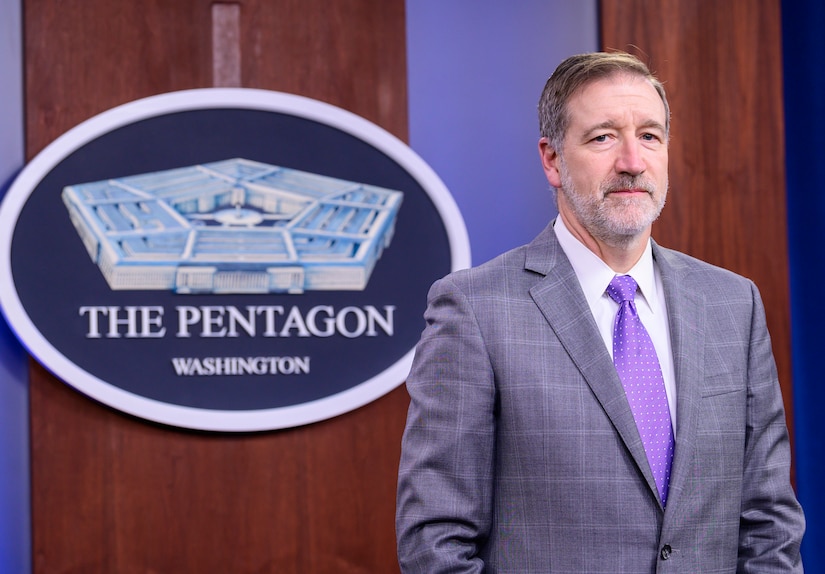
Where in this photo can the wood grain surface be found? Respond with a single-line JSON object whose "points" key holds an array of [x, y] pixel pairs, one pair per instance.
{"points": [[721, 63]]}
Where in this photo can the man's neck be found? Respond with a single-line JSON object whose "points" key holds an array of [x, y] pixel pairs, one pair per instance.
{"points": [[620, 258]]}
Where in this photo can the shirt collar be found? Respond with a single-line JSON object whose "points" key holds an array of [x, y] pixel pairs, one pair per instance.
{"points": [[595, 275]]}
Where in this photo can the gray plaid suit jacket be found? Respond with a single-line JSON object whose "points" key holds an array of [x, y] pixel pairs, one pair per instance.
{"points": [[521, 454]]}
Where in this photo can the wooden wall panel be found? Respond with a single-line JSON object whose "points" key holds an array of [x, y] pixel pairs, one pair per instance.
{"points": [[83, 57], [111, 493], [721, 62]]}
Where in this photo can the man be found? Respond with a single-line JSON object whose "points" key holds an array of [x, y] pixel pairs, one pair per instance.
{"points": [[527, 448]]}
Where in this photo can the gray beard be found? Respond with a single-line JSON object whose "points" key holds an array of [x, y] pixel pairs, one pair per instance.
{"points": [[599, 215]]}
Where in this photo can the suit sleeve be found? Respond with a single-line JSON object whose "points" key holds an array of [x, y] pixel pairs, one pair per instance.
{"points": [[771, 520], [445, 476]]}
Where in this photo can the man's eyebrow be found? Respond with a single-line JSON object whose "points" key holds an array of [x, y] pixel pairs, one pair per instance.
{"points": [[605, 125], [610, 124], [653, 124]]}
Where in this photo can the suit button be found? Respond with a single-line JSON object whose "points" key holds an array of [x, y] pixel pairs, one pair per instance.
{"points": [[666, 550]]}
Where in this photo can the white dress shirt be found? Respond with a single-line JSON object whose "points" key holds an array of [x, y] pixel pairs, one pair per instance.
{"points": [[594, 276]]}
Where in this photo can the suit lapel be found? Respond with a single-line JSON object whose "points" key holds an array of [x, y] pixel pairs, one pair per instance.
{"points": [[562, 302], [686, 318]]}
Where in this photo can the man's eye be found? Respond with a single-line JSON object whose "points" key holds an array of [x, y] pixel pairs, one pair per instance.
{"points": [[649, 137], [600, 139]]}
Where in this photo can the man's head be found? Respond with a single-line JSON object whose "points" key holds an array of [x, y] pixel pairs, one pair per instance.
{"points": [[573, 74], [605, 126]]}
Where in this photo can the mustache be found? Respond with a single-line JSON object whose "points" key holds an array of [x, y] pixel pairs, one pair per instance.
{"points": [[623, 182]]}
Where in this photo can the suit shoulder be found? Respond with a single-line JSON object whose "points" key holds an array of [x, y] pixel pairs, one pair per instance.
{"points": [[706, 276], [507, 261], [491, 275]]}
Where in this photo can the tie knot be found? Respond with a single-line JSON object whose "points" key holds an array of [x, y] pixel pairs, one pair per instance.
{"points": [[622, 288]]}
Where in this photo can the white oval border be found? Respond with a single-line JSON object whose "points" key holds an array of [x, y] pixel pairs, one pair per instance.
{"points": [[215, 98]]}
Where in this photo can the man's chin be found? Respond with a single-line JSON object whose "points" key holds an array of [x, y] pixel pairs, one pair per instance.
{"points": [[629, 221], [621, 236]]}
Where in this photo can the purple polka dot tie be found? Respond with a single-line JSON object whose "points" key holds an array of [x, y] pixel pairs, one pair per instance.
{"points": [[638, 367]]}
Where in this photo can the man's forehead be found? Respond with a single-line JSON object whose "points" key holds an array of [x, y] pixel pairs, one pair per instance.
{"points": [[605, 99]]}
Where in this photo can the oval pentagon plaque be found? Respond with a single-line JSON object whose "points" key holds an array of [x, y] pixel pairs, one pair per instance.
{"points": [[226, 259]]}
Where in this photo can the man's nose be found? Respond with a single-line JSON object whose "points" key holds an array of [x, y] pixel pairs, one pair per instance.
{"points": [[630, 160]]}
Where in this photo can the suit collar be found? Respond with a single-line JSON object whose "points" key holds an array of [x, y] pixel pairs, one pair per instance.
{"points": [[544, 252], [686, 315]]}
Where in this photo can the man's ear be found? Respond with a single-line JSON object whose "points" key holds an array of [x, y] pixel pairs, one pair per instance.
{"points": [[550, 162]]}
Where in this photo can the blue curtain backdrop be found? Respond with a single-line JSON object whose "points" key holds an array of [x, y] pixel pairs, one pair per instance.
{"points": [[475, 74], [803, 32]]}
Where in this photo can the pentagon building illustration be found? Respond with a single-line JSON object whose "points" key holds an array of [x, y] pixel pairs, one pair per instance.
{"points": [[233, 226]]}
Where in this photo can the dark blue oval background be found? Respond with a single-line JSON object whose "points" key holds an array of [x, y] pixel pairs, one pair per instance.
{"points": [[54, 275]]}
